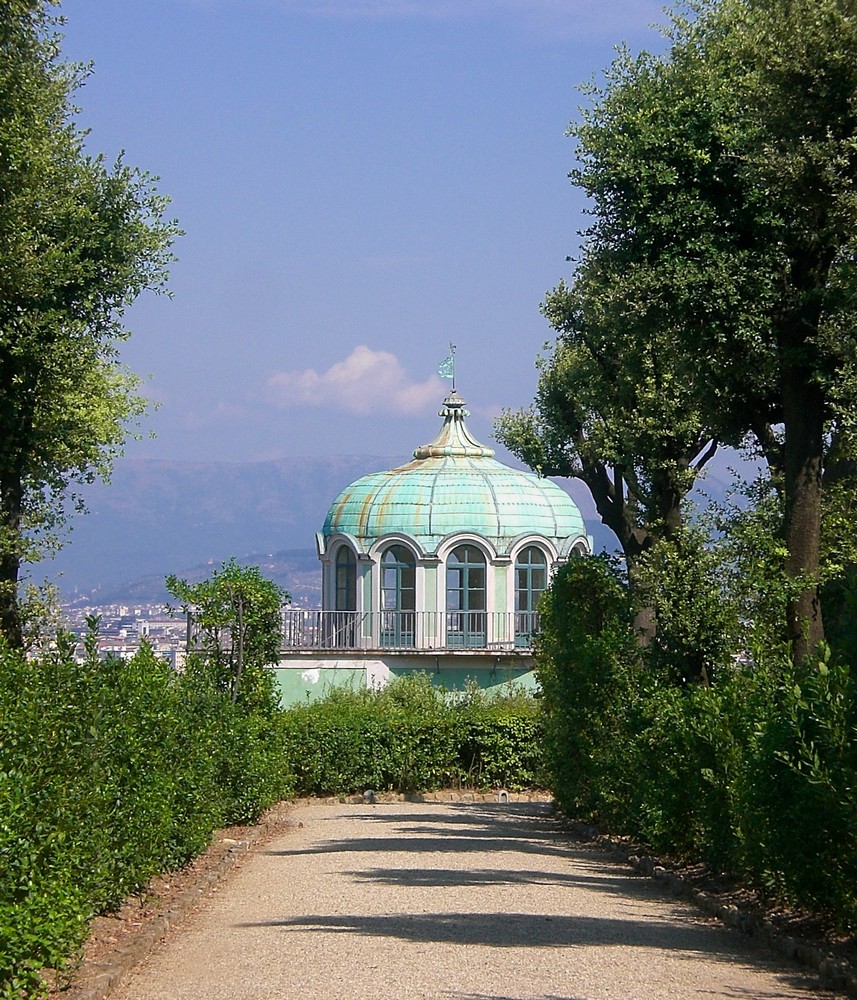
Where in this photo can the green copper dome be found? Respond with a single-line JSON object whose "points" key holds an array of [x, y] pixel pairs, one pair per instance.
{"points": [[455, 484]]}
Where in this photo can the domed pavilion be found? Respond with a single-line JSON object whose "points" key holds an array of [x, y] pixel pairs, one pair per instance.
{"points": [[437, 565]]}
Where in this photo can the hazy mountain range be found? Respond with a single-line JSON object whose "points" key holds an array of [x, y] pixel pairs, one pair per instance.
{"points": [[160, 517]]}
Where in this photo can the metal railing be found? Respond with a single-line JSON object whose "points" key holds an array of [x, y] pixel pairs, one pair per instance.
{"points": [[404, 630]]}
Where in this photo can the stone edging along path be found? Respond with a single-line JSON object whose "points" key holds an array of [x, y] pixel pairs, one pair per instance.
{"points": [[96, 980]]}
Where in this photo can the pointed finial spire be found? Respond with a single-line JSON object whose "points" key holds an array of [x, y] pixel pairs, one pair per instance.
{"points": [[454, 437]]}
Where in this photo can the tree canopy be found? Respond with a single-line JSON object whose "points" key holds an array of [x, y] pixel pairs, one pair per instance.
{"points": [[234, 629], [80, 239], [717, 278]]}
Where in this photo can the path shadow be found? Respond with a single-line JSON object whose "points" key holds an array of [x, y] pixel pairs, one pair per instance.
{"points": [[527, 930], [618, 881], [507, 996], [736, 992], [512, 930], [427, 844], [465, 829]]}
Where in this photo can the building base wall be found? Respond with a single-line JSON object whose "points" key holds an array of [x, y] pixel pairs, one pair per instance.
{"points": [[303, 677]]}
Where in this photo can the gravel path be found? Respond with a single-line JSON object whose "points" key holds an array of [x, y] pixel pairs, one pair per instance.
{"points": [[468, 901]]}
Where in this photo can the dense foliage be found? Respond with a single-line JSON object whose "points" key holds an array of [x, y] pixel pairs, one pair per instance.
{"points": [[715, 295], [412, 736], [80, 239], [234, 628], [751, 772], [110, 772]]}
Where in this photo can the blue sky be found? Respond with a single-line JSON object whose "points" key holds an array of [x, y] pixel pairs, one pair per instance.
{"points": [[361, 182]]}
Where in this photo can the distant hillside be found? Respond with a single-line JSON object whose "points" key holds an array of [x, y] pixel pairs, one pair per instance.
{"points": [[158, 517], [297, 571]]}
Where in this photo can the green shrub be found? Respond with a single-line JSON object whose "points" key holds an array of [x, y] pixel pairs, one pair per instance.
{"points": [[752, 772], [797, 796], [587, 666], [502, 741], [110, 772], [679, 758], [412, 736], [337, 744]]}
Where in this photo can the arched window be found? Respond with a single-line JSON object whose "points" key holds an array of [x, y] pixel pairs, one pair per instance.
{"points": [[398, 596], [346, 580], [465, 597], [341, 626], [531, 580]]}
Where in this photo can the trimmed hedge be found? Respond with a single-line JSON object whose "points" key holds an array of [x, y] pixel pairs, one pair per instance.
{"points": [[114, 771], [753, 774], [412, 736], [111, 772]]}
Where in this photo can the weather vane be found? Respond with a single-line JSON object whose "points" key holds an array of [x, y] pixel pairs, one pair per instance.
{"points": [[446, 369]]}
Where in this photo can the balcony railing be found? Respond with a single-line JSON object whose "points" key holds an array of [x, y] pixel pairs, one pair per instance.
{"points": [[409, 630]]}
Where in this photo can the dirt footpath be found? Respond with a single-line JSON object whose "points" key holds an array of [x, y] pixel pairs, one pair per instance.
{"points": [[468, 901]]}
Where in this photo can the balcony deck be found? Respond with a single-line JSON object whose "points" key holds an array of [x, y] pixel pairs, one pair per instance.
{"points": [[409, 631]]}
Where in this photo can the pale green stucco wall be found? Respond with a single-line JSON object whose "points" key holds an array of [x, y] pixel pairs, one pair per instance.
{"points": [[295, 687], [500, 577], [306, 679], [431, 598]]}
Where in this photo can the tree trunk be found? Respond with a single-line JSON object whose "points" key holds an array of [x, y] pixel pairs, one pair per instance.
{"points": [[11, 502], [667, 501], [618, 511], [240, 666], [803, 414]]}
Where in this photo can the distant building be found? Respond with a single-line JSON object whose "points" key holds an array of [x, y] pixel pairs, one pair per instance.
{"points": [[438, 566]]}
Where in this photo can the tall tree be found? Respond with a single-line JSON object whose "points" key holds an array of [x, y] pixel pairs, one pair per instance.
{"points": [[796, 63], [617, 404], [723, 184], [612, 410], [79, 240]]}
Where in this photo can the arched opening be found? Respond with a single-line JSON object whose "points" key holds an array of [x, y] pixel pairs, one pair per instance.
{"points": [[398, 596], [345, 598], [466, 620], [342, 628], [531, 580]]}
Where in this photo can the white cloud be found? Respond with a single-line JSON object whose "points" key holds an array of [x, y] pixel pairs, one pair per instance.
{"points": [[366, 381]]}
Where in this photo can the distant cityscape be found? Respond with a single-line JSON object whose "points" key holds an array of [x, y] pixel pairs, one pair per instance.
{"points": [[138, 610], [122, 627]]}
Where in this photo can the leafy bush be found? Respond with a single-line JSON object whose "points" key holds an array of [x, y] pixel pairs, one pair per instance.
{"points": [[111, 771], [753, 772], [587, 667], [236, 629], [412, 736], [797, 797], [502, 746]]}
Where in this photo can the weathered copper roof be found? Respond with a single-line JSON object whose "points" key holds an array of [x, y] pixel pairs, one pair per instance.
{"points": [[454, 484]]}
